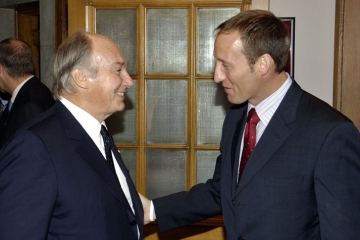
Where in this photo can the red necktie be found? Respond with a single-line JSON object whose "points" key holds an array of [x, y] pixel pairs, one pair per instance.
{"points": [[249, 139]]}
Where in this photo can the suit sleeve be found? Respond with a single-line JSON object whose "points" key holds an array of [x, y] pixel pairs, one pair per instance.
{"points": [[183, 208], [337, 188], [27, 188]]}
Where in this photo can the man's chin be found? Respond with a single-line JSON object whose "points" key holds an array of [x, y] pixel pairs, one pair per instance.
{"points": [[120, 107], [233, 100]]}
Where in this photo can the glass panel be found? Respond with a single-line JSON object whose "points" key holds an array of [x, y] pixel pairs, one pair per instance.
{"points": [[166, 41], [166, 111], [165, 172], [208, 20], [129, 158], [122, 125], [205, 165], [120, 25], [212, 108]]}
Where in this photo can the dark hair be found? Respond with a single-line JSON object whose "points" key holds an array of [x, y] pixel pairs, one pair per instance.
{"points": [[75, 52], [261, 33], [17, 58]]}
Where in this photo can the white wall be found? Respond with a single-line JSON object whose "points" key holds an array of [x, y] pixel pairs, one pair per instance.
{"points": [[314, 43]]}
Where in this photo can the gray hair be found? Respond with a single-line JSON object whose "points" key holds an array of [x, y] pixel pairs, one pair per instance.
{"points": [[74, 53]]}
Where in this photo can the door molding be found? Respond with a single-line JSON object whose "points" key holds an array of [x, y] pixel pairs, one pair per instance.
{"points": [[346, 96]]}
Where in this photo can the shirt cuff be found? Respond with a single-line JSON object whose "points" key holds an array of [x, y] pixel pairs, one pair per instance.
{"points": [[151, 212]]}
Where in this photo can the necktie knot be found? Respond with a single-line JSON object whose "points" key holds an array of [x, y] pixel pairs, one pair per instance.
{"points": [[253, 118]]}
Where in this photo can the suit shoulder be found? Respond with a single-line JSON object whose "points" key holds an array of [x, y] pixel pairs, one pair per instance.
{"points": [[39, 89], [318, 116], [319, 109], [42, 122], [35, 96]]}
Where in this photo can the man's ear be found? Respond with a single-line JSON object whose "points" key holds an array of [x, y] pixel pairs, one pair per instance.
{"points": [[80, 77], [265, 63]]}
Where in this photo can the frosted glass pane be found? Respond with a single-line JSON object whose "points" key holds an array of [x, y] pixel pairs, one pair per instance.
{"points": [[165, 172], [166, 41], [212, 108], [129, 159], [122, 125], [120, 25], [205, 165], [166, 111], [208, 20]]}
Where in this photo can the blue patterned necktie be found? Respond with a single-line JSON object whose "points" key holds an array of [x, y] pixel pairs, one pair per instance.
{"points": [[107, 145]]}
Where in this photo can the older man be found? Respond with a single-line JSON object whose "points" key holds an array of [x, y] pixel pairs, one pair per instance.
{"points": [[62, 176]]}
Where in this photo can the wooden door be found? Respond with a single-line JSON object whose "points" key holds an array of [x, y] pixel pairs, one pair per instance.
{"points": [[28, 29]]}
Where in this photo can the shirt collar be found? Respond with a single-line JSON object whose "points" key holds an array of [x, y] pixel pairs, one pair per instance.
{"points": [[86, 120], [266, 108]]}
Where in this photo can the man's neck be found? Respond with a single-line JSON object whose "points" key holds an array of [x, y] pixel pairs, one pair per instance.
{"points": [[15, 82], [18, 87]]}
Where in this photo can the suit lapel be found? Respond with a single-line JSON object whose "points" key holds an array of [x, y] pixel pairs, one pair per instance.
{"points": [[86, 150], [235, 149], [274, 135]]}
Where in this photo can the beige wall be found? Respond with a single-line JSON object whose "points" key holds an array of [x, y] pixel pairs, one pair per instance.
{"points": [[314, 43]]}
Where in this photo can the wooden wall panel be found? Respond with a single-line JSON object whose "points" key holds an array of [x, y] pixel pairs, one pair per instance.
{"points": [[347, 61]]}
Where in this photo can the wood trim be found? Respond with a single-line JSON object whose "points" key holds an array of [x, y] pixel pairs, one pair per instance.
{"points": [[192, 40], [190, 232], [166, 3], [90, 17], [338, 53], [141, 99], [76, 15], [346, 63], [61, 21]]}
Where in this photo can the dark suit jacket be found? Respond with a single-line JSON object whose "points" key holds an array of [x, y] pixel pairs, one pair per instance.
{"points": [[301, 181], [32, 99], [56, 184]]}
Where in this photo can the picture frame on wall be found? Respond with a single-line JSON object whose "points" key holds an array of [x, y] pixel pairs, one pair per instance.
{"points": [[290, 25]]}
